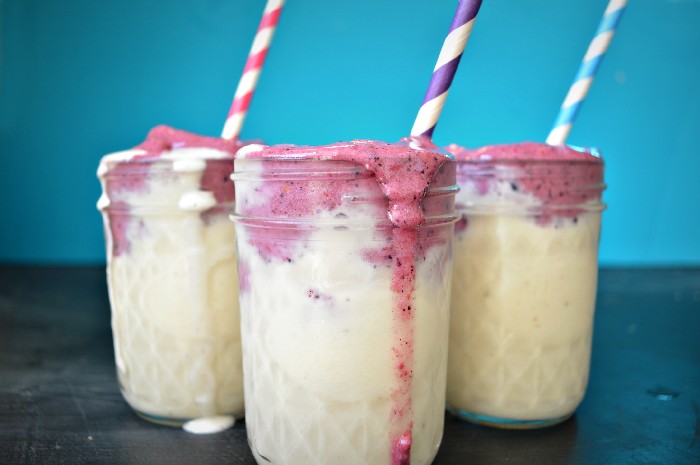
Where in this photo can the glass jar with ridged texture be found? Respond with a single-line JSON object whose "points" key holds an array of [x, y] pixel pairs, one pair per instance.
{"points": [[172, 279], [525, 277], [344, 302]]}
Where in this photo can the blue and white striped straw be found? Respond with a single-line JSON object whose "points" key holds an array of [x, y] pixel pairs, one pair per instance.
{"points": [[586, 72]]}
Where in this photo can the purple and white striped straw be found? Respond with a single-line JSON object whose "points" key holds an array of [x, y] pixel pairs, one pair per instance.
{"points": [[446, 67], [586, 72]]}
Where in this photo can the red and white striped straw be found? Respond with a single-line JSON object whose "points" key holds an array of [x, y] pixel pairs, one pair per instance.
{"points": [[251, 72]]}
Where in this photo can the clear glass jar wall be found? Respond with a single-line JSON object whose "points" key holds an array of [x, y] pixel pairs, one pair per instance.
{"points": [[334, 371], [523, 299], [172, 281]]}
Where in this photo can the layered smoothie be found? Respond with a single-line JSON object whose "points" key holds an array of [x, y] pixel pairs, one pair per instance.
{"points": [[525, 279], [172, 276], [345, 266]]}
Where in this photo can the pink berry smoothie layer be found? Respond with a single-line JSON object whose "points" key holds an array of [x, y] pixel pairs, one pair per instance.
{"points": [[559, 176], [132, 171]]}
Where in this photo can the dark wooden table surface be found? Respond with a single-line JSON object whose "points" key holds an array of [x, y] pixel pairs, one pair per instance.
{"points": [[59, 401]]}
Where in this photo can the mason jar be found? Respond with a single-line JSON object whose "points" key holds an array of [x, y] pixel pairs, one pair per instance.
{"points": [[172, 280], [525, 276], [344, 314]]}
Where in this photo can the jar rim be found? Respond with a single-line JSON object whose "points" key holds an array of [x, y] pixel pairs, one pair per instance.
{"points": [[158, 209], [337, 223], [531, 161], [341, 169], [493, 209]]}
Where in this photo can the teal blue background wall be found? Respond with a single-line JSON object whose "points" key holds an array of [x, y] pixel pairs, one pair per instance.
{"points": [[81, 78]]}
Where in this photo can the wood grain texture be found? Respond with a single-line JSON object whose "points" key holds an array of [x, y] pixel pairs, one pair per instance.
{"points": [[60, 404]]}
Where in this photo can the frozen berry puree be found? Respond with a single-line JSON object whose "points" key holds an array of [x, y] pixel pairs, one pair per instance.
{"points": [[557, 175], [552, 173], [165, 151]]}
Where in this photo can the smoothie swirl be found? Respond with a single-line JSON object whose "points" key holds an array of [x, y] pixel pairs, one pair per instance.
{"points": [[401, 177]]}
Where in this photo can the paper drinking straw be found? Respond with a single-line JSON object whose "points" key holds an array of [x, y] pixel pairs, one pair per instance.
{"points": [[251, 71], [445, 68], [586, 72]]}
